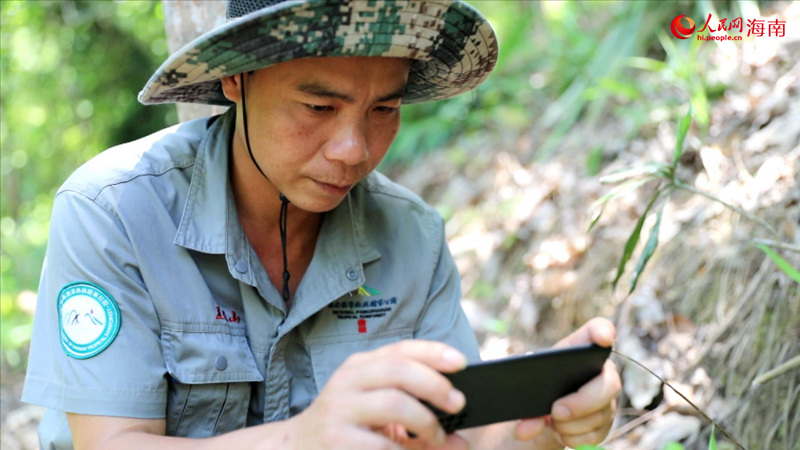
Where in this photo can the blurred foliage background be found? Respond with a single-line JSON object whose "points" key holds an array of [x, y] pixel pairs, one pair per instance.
{"points": [[70, 74], [71, 71]]}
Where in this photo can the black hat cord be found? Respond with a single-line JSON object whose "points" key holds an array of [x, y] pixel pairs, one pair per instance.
{"points": [[282, 219]]}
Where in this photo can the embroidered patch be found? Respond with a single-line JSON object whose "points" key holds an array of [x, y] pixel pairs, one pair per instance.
{"points": [[89, 319], [367, 309], [364, 308], [222, 315], [367, 291]]}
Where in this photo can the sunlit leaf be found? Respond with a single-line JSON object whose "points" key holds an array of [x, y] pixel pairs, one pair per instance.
{"points": [[640, 62], [599, 205], [633, 240], [596, 217], [649, 249], [700, 104], [782, 264], [712, 441], [683, 128], [650, 168], [594, 160]]}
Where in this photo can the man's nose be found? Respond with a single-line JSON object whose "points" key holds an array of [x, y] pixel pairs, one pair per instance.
{"points": [[348, 144]]}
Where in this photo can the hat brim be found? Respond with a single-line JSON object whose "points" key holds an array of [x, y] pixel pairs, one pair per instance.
{"points": [[452, 46]]}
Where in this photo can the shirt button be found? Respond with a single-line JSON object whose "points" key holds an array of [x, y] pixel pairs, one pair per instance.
{"points": [[241, 266], [221, 363], [352, 275]]}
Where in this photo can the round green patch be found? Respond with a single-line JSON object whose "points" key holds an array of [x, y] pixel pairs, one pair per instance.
{"points": [[89, 319]]}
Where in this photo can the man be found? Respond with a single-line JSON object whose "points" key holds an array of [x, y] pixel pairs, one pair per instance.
{"points": [[250, 280]]}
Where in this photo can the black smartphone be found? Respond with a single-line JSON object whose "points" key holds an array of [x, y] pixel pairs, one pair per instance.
{"points": [[521, 387]]}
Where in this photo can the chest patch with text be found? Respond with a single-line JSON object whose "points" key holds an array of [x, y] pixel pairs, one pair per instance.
{"points": [[362, 309]]}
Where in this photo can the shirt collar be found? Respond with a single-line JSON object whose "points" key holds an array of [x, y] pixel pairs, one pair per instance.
{"points": [[203, 223]]}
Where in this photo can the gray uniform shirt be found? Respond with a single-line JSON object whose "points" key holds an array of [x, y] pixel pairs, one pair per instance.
{"points": [[152, 303]]}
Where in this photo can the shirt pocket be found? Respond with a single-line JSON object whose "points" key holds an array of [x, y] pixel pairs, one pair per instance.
{"points": [[328, 353], [211, 376]]}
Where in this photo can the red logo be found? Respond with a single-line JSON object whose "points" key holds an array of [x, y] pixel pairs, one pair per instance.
{"points": [[679, 31], [362, 326]]}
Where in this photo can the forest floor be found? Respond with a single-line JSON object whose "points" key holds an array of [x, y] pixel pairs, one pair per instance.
{"points": [[711, 312]]}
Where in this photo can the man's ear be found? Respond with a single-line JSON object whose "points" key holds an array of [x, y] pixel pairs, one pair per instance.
{"points": [[231, 87]]}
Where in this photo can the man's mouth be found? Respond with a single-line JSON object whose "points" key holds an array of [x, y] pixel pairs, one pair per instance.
{"points": [[334, 189]]}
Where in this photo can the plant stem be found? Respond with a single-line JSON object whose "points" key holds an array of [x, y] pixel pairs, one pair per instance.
{"points": [[777, 244], [696, 408], [780, 370], [756, 219]]}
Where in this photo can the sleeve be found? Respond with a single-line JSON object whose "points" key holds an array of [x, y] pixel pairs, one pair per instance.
{"points": [[96, 345], [443, 319]]}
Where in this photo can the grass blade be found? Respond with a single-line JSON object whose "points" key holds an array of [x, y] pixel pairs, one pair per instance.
{"points": [[649, 249], [674, 446], [651, 64], [712, 441], [650, 168], [614, 193], [621, 190], [683, 128], [633, 240], [597, 216], [781, 263]]}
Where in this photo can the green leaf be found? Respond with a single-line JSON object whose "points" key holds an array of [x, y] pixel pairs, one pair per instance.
{"points": [[782, 264], [651, 168], [597, 216], [674, 446], [620, 190], [640, 62], [712, 441], [633, 240], [683, 128], [600, 204], [594, 160], [649, 249]]}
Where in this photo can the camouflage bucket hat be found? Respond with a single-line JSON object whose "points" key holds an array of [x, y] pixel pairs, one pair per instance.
{"points": [[453, 46]]}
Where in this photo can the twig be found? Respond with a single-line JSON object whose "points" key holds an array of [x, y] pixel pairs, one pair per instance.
{"points": [[696, 408], [777, 244], [756, 219], [780, 370], [623, 430]]}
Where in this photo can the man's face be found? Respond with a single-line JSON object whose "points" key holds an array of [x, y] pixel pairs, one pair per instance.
{"points": [[320, 125]]}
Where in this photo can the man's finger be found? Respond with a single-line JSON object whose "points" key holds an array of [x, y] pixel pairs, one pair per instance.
{"points": [[392, 406], [440, 356], [599, 331], [600, 420], [591, 438], [453, 442], [528, 429], [373, 370], [362, 438], [591, 397]]}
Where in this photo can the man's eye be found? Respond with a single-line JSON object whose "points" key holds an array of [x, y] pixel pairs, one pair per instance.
{"points": [[319, 108], [385, 109]]}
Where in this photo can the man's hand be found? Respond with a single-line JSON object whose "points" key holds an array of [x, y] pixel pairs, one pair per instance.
{"points": [[584, 417], [372, 399]]}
